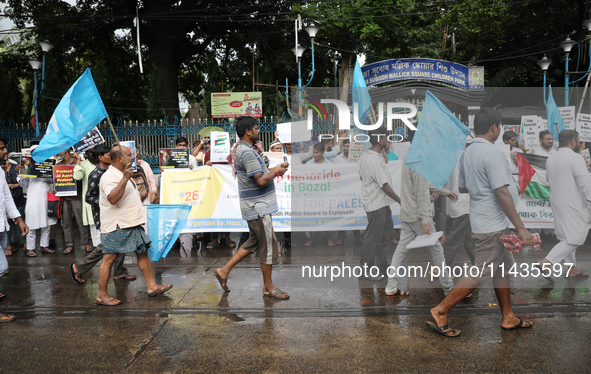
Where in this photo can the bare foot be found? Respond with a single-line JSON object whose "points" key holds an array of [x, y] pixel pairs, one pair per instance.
{"points": [[439, 317]]}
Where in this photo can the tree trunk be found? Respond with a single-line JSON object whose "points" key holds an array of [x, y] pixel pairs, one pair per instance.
{"points": [[346, 76], [167, 71]]}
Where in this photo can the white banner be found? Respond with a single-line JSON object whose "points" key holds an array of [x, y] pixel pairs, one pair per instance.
{"points": [[568, 116], [584, 127], [293, 132], [530, 131], [220, 146]]}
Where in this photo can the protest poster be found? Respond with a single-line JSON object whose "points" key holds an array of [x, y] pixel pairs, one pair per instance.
{"points": [[90, 140], [530, 131], [356, 149], [31, 169], [131, 145], [587, 157], [584, 127], [63, 180], [219, 146], [275, 158], [293, 132], [236, 104], [171, 158], [568, 116]]}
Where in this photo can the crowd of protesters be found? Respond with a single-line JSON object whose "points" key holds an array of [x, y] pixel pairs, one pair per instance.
{"points": [[109, 214]]}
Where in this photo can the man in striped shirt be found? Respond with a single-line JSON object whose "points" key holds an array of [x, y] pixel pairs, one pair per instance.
{"points": [[257, 202]]}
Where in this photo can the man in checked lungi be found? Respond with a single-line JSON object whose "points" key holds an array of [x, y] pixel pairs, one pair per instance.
{"points": [[122, 217]]}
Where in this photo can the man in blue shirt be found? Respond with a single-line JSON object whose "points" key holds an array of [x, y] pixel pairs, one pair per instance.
{"points": [[485, 174], [258, 201]]}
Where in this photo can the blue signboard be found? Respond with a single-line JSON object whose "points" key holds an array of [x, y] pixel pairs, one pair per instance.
{"points": [[470, 78]]}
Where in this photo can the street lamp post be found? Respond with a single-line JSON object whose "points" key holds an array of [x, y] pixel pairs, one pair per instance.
{"points": [[544, 63], [36, 65], [46, 46], [566, 45], [298, 50]]}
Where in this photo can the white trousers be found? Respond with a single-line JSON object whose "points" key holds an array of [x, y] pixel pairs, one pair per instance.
{"points": [[32, 238], [95, 234], [563, 251]]}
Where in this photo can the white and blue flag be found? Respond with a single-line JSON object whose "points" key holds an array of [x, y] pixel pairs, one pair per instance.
{"points": [[165, 222]]}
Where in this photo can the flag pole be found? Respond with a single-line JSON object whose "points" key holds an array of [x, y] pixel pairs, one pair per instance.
{"points": [[117, 140]]}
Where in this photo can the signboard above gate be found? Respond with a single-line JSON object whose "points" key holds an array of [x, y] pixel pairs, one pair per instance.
{"points": [[469, 78]]}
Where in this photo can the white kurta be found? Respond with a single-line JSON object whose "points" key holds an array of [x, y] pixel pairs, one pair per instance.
{"points": [[570, 193], [36, 208]]}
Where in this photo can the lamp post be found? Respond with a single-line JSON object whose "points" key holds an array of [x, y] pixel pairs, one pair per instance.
{"points": [[46, 46], [544, 63], [298, 50], [36, 65], [566, 45]]}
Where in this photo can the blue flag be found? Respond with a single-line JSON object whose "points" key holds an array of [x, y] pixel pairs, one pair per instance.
{"points": [[360, 95], [165, 222], [79, 111], [554, 117], [438, 142]]}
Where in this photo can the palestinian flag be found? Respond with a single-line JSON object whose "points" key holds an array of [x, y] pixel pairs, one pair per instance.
{"points": [[532, 176]]}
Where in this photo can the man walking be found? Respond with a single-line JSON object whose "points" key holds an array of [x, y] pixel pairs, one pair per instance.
{"points": [[122, 217], [486, 176], [570, 193], [377, 196], [257, 202], [78, 269]]}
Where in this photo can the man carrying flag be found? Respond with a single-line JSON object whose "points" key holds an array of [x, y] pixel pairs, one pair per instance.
{"points": [[570, 194]]}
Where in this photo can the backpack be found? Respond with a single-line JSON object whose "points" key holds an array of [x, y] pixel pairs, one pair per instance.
{"points": [[55, 206]]}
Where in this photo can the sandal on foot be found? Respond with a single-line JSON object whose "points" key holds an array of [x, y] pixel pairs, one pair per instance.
{"points": [[469, 297], [6, 318], [520, 325], [398, 293], [2, 296], [47, 250], [309, 243], [30, 253], [580, 275], [223, 281], [8, 252], [166, 288], [109, 302], [125, 277], [68, 250], [212, 245], [231, 244], [277, 294], [89, 249], [330, 243], [338, 242], [77, 277], [444, 330]]}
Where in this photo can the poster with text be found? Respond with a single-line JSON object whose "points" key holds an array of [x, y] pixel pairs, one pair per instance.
{"points": [[31, 169], [584, 127], [531, 130], [131, 145], [236, 104], [568, 116], [90, 140], [171, 158], [220, 146], [63, 180]]}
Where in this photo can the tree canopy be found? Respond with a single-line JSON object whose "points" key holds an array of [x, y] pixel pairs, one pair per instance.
{"points": [[198, 47]]}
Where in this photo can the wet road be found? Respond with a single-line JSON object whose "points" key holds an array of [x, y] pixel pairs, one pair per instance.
{"points": [[325, 327]]}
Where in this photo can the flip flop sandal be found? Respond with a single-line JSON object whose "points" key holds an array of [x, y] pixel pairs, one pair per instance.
{"points": [[6, 318], [520, 325], [76, 276], [330, 243], [469, 297], [581, 275], [8, 252], [223, 282], [232, 244], [89, 250], [125, 277], [68, 250], [398, 293], [339, 242], [2, 296], [309, 243], [160, 292], [47, 250], [212, 245], [444, 330], [30, 253], [101, 302], [276, 294]]}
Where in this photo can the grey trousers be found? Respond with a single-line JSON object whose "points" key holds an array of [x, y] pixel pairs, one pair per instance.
{"points": [[377, 239], [95, 256], [408, 233], [73, 208], [460, 233]]}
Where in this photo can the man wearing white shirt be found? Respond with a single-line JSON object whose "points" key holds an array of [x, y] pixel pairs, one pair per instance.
{"points": [[570, 194], [546, 144], [343, 158], [7, 210]]}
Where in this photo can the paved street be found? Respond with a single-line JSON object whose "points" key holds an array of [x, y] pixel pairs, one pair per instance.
{"points": [[347, 327]]}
